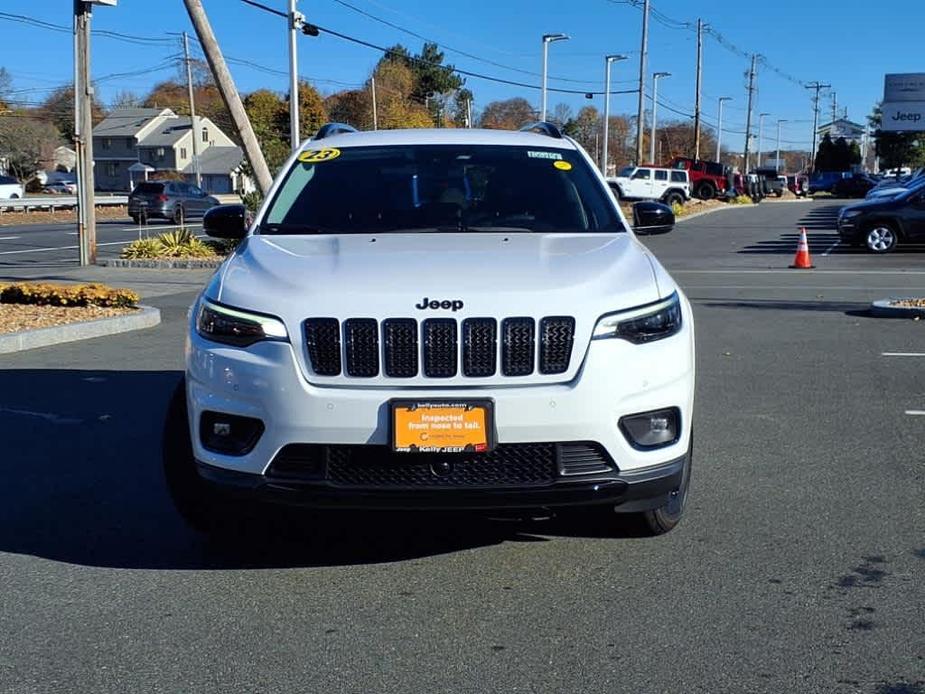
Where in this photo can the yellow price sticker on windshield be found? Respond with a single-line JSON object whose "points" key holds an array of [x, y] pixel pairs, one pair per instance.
{"points": [[317, 156], [562, 165]]}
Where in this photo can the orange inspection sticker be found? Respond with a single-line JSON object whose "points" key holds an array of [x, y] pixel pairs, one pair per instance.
{"points": [[445, 427], [316, 156], [562, 165]]}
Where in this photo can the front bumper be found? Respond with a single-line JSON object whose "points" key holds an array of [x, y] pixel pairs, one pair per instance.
{"points": [[849, 228], [628, 492], [616, 378]]}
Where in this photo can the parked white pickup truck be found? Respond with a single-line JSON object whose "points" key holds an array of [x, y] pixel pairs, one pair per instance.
{"points": [[650, 183], [10, 188]]}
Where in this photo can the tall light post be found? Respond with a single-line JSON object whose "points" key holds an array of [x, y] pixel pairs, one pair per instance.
{"points": [[719, 127], [608, 59], [656, 76], [777, 161], [548, 39], [761, 117]]}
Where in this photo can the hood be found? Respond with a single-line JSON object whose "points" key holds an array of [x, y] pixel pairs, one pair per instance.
{"points": [[478, 274], [873, 204]]}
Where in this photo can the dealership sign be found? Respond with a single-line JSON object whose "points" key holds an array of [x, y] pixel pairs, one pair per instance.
{"points": [[903, 105]]}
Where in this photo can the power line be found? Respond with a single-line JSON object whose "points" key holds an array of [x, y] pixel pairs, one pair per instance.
{"points": [[445, 47], [430, 63]]}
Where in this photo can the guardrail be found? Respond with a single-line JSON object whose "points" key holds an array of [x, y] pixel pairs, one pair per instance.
{"points": [[56, 202]]}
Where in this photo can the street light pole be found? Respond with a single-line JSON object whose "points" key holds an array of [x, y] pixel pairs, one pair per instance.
{"points": [[643, 58], [761, 117], [608, 59], [777, 161], [719, 128], [294, 21], [656, 76], [548, 39]]}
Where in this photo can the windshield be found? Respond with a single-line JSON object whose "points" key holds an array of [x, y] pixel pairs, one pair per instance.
{"points": [[442, 188], [626, 171]]}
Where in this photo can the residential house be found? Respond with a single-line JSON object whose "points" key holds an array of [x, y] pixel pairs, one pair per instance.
{"points": [[164, 145], [115, 144]]}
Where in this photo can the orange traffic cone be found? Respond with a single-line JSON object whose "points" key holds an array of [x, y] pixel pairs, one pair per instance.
{"points": [[802, 260]]}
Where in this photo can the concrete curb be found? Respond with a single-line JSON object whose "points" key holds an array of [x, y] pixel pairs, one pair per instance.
{"points": [[883, 309], [710, 211], [144, 317], [177, 264]]}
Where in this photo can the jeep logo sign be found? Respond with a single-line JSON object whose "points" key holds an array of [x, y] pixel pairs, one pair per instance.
{"points": [[903, 116], [452, 305]]}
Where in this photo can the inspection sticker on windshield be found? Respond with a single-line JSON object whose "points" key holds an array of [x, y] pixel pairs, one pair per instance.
{"points": [[543, 155], [562, 165], [319, 155]]}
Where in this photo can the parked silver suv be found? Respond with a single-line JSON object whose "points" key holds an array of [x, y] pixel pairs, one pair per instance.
{"points": [[173, 200]]}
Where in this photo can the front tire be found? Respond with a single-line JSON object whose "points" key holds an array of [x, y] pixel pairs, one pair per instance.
{"points": [[706, 191], [674, 199], [197, 503], [664, 519], [881, 238]]}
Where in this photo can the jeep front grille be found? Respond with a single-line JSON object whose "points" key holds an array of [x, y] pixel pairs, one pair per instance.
{"points": [[439, 347]]}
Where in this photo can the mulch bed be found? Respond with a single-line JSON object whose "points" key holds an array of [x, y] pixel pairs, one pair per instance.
{"points": [[46, 217], [17, 317], [909, 303]]}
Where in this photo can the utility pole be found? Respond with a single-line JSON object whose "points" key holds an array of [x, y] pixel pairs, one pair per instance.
{"points": [[295, 22], [697, 96], [229, 93], [818, 87], [643, 60], [192, 111], [748, 115], [83, 134], [468, 113], [834, 108]]}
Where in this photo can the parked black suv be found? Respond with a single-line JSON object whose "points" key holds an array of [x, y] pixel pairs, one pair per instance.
{"points": [[880, 224]]}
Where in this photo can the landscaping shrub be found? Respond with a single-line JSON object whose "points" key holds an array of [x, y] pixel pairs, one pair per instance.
{"points": [[253, 200], [42, 294], [173, 244]]}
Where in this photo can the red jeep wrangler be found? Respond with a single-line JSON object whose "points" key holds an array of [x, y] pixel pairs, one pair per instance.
{"points": [[707, 177]]}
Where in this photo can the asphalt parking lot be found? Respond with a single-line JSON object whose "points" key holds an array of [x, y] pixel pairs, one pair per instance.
{"points": [[799, 566]]}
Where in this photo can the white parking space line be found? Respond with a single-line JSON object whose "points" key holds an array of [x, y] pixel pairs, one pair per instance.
{"points": [[158, 227], [831, 248], [9, 238], [790, 272], [903, 354], [916, 413], [60, 248]]}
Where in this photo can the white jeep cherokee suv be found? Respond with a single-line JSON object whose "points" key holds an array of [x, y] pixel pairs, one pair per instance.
{"points": [[436, 319]]}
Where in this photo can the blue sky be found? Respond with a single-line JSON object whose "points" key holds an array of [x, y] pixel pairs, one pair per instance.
{"points": [[804, 40]]}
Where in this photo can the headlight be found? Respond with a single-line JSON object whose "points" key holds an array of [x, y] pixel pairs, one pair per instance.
{"points": [[233, 327], [644, 324], [847, 214]]}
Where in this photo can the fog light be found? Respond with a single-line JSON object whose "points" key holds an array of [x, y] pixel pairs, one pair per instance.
{"points": [[229, 434], [654, 429]]}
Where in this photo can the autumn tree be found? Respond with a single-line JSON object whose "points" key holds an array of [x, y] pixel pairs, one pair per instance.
{"points": [[352, 106], [6, 83], [28, 143], [267, 111], [58, 108], [509, 114], [125, 99]]}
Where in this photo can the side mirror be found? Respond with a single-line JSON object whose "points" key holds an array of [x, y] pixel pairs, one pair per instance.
{"points": [[226, 222], [652, 218]]}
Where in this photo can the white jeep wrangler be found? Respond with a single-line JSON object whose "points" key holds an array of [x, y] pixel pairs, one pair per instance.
{"points": [[671, 186], [436, 319]]}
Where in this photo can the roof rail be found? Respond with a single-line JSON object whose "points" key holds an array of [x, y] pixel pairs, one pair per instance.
{"points": [[329, 129], [543, 128]]}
